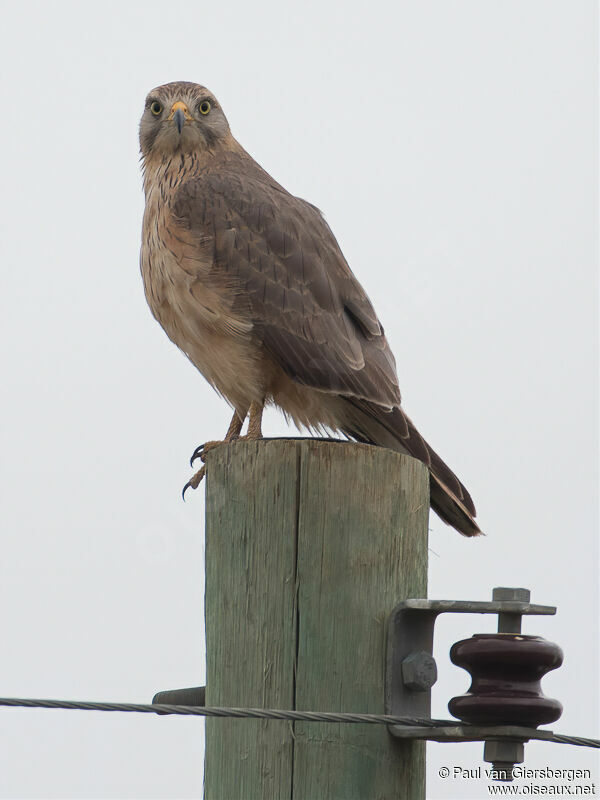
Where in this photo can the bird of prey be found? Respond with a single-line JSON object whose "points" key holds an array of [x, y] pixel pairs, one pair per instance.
{"points": [[250, 282]]}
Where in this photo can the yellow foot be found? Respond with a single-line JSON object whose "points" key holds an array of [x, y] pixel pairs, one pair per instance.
{"points": [[203, 449], [248, 437], [194, 481], [200, 452]]}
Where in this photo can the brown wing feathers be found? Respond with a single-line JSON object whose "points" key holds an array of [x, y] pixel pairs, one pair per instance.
{"points": [[290, 270], [311, 313]]}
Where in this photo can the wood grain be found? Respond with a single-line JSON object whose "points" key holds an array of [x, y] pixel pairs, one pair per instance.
{"points": [[309, 546]]}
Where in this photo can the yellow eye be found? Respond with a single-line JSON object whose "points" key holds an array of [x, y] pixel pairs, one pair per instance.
{"points": [[156, 108], [204, 107]]}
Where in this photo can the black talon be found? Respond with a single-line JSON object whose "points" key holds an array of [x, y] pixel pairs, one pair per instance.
{"points": [[196, 454], [184, 490]]}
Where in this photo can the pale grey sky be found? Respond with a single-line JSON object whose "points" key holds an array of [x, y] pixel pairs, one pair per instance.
{"points": [[452, 148]]}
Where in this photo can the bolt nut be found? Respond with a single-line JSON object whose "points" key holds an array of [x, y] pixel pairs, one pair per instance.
{"points": [[508, 593], [419, 671], [504, 754], [504, 750]]}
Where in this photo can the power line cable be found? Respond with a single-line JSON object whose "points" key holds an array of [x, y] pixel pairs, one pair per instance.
{"points": [[271, 713]]}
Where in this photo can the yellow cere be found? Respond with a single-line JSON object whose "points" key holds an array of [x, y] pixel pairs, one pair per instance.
{"points": [[180, 105]]}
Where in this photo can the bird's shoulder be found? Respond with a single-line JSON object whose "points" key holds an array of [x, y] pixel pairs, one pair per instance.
{"points": [[254, 221], [313, 315], [235, 186]]}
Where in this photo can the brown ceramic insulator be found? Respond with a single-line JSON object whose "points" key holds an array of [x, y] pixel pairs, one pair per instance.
{"points": [[506, 670]]}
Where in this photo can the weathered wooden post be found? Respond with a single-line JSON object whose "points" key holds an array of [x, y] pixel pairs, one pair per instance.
{"points": [[309, 546]]}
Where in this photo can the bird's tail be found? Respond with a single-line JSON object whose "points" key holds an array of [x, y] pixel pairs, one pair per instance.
{"points": [[370, 423]]}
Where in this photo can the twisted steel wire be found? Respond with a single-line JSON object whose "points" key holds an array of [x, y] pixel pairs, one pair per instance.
{"points": [[272, 713]]}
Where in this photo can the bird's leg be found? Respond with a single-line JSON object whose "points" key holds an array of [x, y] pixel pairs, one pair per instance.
{"points": [[235, 426], [255, 421], [233, 431]]}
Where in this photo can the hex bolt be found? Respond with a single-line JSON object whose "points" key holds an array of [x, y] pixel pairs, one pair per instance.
{"points": [[504, 754], [419, 671], [509, 622]]}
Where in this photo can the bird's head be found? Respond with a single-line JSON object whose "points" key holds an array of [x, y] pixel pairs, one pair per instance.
{"points": [[181, 117]]}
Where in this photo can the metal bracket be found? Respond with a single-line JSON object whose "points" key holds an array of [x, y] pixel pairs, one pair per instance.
{"points": [[411, 671], [410, 667], [194, 696]]}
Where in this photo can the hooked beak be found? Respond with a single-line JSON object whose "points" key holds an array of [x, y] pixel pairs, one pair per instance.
{"points": [[179, 114], [179, 119]]}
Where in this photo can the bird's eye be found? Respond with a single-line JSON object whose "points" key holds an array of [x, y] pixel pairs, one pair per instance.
{"points": [[156, 108], [204, 107]]}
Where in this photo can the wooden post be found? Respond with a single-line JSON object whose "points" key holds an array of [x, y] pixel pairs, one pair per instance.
{"points": [[309, 546]]}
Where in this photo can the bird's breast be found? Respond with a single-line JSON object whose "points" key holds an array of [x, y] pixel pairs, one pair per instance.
{"points": [[197, 314]]}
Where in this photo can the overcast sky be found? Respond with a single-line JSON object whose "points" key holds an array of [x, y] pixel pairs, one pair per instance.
{"points": [[452, 148]]}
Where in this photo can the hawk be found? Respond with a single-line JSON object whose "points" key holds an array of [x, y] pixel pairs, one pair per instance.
{"points": [[250, 283]]}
